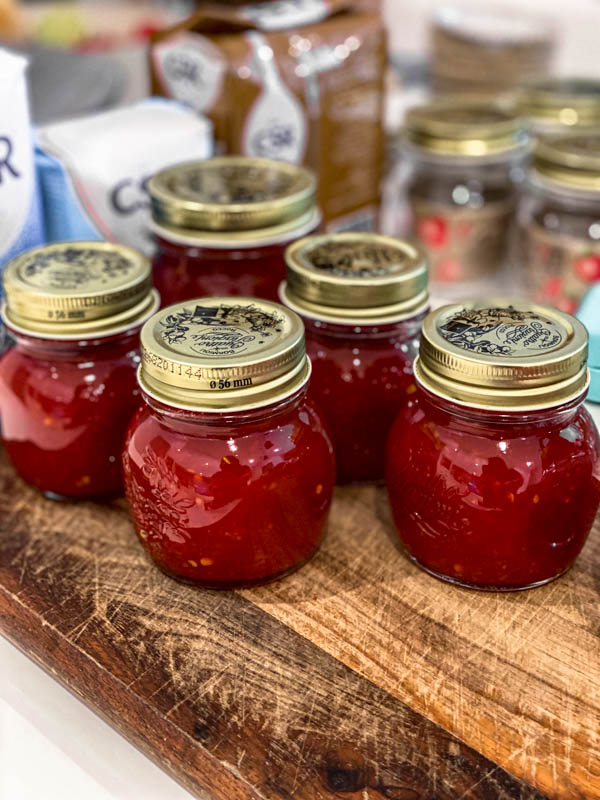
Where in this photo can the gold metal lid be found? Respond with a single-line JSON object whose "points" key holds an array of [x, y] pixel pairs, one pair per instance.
{"points": [[465, 127], [232, 194], [223, 354], [503, 355], [573, 160], [562, 101], [354, 278], [71, 289]]}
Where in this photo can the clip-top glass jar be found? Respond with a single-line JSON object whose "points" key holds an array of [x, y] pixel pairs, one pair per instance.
{"points": [[68, 386], [222, 225], [557, 106], [493, 469], [559, 220], [363, 298], [464, 159], [228, 470]]}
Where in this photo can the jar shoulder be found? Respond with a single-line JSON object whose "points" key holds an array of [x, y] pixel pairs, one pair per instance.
{"points": [[256, 447], [535, 450]]}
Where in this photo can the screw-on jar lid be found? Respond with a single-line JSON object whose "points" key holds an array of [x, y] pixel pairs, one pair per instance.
{"points": [[562, 101], [223, 354], [355, 278], [252, 198], [572, 160], [465, 127], [508, 356], [72, 289]]}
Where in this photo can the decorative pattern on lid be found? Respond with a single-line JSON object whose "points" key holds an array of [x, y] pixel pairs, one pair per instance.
{"points": [[232, 193], [73, 288], [509, 355], [223, 353], [355, 277]]}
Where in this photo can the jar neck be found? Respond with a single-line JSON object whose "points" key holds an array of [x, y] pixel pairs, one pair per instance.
{"points": [[500, 418], [60, 348], [184, 419], [404, 329]]}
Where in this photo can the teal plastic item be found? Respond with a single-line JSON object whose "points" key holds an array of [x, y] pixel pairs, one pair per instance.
{"points": [[589, 314]]}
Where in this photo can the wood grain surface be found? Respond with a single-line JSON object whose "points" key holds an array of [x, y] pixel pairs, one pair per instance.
{"points": [[359, 677]]}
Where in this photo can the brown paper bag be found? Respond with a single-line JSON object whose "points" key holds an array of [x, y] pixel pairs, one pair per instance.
{"points": [[296, 80]]}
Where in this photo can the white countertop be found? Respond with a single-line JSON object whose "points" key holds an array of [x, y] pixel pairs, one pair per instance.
{"points": [[53, 747]]}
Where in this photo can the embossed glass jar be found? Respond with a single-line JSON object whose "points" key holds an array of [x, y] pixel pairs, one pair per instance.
{"points": [[493, 468], [559, 219], [363, 298], [464, 159], [228, 470], [68, 385], [222, 225]]}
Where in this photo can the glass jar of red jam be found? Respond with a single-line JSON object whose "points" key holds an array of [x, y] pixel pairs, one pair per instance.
{"points": [[559, 219], [228, 470], [493, 468], [68, 385], [362, 298], [463, 160], [222, 225]]}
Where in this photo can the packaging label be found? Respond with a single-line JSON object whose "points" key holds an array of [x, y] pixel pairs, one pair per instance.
{"points": [[191, 69], [462, 244], [559, 268], [96, 176], [275, 126], [20, 221], [280, 14]]}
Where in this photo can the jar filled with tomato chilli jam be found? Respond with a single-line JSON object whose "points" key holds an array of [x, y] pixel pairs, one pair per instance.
{"points": [[222, 225], [68, 385], [463, 160], [229, 472], [493, 469], [559, 218], [363, 298]]}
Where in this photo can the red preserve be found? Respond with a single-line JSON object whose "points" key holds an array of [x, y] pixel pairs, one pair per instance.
{"points": [[228, 470], [493, 468], [222, 225], [68, 385], [363, 298]]}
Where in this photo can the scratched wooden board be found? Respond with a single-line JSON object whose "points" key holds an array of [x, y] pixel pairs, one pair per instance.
{"points": [[358, 677]]}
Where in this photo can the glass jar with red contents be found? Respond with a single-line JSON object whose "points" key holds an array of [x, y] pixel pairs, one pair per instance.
{"points": [[463, 160], [68, 385], [363, 298], [493, 469], [559, 219], [228, 470], [222, 225]]}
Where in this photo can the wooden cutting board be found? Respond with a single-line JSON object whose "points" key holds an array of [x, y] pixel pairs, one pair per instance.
{"points": [[359, 677]]}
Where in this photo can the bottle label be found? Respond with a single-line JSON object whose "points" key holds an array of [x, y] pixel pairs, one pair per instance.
{"points": [[560, 268], [463, 244]]}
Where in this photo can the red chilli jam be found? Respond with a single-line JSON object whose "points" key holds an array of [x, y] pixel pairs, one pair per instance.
{"points": [[68, 385], [228, 470], [363, 298], [222, 225], [493, 468]]}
